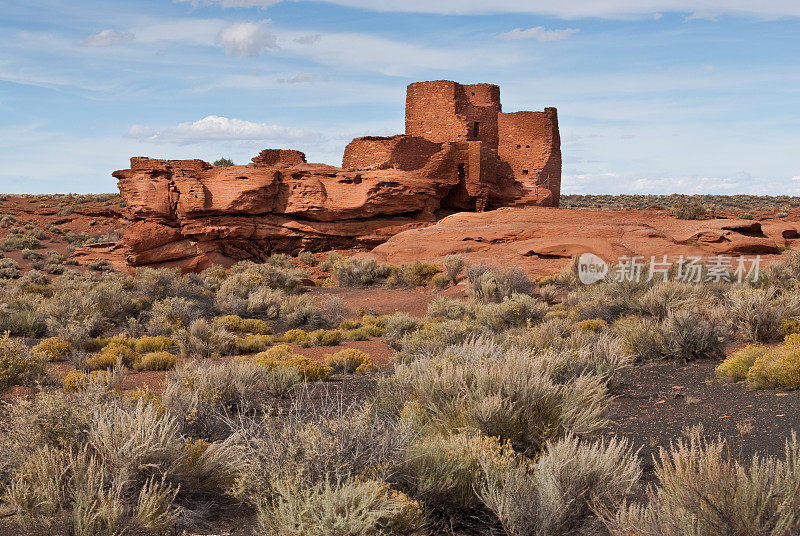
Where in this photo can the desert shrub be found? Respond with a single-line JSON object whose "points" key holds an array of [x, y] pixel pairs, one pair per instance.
{"points": [[277, 273], [96, 381], [444, 471], [159, 343], [109, 356], [307, 312], [510, 395], [327, 337], [9, 269], [283, 356], [31, 255], [342, 507], [413, 275], [441, 307], [297, 336], [453, 264], [433, 337], [20, 240], [252, 344], [349, 361], [265, 302], [397, 326], [18, 366], [515, 310], [777, 367], [223, 162], [592, 324], [170, 314], [133, 470], [244, 325], [687, 335], [332, 259], [666, 296], [758, 314], [487, 284], [559, 492], [53, 349], [307, 258], [202, 396], [736, 365], [357, 272], [205, 339], [702, 490], [686, 209], [100, 265], [155, 361]]}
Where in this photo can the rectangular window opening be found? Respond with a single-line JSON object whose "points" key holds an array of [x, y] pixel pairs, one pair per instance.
{"points": [[524, 171], [475, 129]]}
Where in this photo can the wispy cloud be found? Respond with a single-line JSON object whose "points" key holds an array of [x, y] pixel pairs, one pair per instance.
{"points": [[540, 33], [107, 38], [569, 9], [302, 78], [215, 128], [702, 15], [245, 39]]}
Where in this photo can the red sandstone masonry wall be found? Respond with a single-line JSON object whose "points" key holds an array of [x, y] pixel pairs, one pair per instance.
{"points": [[431, 112], [530, 144], [480, 103], [405, 153]]}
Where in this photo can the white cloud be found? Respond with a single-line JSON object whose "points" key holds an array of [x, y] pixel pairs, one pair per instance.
{"points": [[566, 9], [702, 15], [107, 38], [245, 39], [215, 128], [657, 16], [539, 33], [796, 178]]}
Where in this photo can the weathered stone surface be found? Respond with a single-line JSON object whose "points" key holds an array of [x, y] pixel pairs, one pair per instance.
{"points": [[542, 240], [459, 152]]}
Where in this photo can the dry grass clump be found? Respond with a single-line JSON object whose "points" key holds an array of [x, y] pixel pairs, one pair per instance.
{"points": [[350, 361], [702, 490]]}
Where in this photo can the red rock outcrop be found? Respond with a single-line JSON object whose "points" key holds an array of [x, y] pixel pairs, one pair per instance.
{"points": [[460, 152], [542, 241]]}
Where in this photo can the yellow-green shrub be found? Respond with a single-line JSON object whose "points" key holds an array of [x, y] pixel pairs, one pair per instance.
{"points": [[244, 325], [350, 360], [252, 344], [109, 356], [155, 361], [790, 326], [297, 336], [327, 337], [76, 380], [159, 343], [592, 324], [53, 349], [282, 355], [779, 367], [736, 365]]}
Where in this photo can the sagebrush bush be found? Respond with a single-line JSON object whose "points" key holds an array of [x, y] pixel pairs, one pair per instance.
{"points": [[9, 269], [686, 209], [342, 507], [357, 272], [703, 491], [453, 264], [488, 284], [205, 339], [18, 366], [759, 314], [559, 492]]}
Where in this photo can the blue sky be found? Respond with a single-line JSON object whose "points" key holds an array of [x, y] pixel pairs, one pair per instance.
{"points": [[654, 96]]}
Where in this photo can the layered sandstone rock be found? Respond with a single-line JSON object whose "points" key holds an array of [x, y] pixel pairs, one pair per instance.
{"points": [[542, 241], [459, 152]]}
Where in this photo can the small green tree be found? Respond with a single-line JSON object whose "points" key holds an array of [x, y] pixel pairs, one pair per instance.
{"points": [[223, 162]]}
